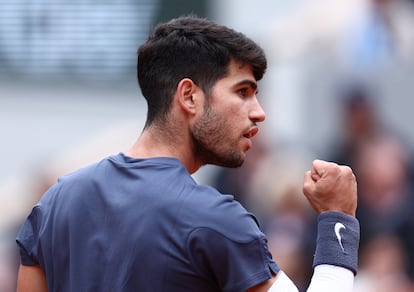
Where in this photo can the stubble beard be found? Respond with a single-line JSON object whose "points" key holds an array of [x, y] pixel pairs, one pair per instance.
{"points": [[211, 141]]}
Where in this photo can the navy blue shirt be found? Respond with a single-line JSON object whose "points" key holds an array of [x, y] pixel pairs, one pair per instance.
{"points": [[127, 224]]}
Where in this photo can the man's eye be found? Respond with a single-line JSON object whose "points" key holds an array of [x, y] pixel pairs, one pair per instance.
{"points": [[243, 92]]}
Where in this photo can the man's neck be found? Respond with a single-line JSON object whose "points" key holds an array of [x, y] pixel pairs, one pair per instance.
{"points": [[152, 143]]}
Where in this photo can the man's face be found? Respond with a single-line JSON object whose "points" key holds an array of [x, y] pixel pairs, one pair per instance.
{"points": [[222, 134]]}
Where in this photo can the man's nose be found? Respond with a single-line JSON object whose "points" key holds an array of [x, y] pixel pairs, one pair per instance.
{"points": [[256, 113]]}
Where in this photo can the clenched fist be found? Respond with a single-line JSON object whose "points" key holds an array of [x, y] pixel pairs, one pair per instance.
{"points": [[331, 187]]}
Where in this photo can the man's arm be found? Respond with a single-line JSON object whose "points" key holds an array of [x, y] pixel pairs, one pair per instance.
{"points": [[280, 282], [332, 192], [31, 279]]}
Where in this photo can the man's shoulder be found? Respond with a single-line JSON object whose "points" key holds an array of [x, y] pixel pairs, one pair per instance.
{"points": [[212, 210]]}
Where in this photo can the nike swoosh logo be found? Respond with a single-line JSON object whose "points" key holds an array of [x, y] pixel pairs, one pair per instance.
{"points": [[338, 227]]}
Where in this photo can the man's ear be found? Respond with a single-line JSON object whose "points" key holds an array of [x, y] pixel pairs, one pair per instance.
{"points": [[187, 90]]}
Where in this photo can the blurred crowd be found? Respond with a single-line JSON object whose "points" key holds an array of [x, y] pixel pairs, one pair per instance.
{"points": [[359, 41]]}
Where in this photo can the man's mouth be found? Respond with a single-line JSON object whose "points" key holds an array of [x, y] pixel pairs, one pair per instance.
{"points": [[251, 133]]}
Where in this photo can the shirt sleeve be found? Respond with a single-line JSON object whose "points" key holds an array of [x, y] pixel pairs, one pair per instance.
{"points": [[27, 238], [234, 265]]}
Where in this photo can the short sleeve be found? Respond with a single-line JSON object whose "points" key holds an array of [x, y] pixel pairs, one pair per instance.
{"points": [[234, 265], [27, 238]]}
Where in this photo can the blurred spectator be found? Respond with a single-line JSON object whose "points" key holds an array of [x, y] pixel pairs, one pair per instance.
{"points": [[382, 163], [386, 196], [360, 35], [382, 266], [359, 121], [379, 35]]}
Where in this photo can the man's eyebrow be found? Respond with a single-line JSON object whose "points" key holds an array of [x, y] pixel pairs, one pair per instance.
{"points": [[249, 82]]}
